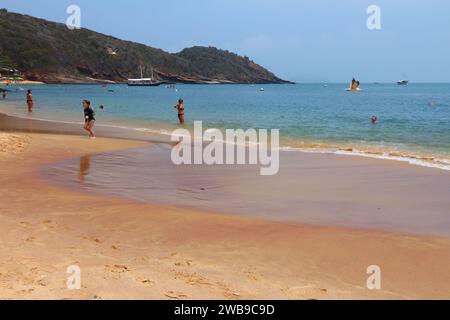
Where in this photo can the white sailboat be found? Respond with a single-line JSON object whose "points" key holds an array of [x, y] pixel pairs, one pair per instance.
{"points": [[144, 82]]}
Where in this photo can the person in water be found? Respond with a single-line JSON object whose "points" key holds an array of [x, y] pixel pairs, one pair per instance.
{"points": [[30, 100], [4, 94], [180, 108], [374, 119], [353, 84], [89, 118]]}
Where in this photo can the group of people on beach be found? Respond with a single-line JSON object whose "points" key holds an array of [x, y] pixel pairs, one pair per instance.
{"points": [[89, 116], [89, 113]]}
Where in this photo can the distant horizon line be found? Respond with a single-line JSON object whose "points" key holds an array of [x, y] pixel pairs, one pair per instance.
{"points": [[276, 73]]}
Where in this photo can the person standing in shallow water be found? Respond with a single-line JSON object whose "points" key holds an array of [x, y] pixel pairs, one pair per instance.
{"points": [[89, 118], [374, 119], [180, 108], [30, 100]]}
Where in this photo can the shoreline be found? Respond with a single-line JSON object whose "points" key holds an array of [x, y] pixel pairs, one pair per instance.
{"points": [[314, 159], [13, 82], [30, 125], [146, 251], [12, 122]]}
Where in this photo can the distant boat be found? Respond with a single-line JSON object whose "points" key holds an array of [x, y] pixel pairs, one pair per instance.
{"points": [[262, 89], [354, 86], [144, 82], [403, 82]]}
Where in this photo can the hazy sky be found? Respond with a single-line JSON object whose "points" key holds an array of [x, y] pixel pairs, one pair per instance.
{"points": [[299, 40]]}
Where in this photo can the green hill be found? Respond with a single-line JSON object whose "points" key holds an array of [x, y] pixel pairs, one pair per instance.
{"points": [[50, 52]]}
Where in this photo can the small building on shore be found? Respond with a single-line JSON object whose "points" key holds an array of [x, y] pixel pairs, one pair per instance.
{"points": [[10, 75]]}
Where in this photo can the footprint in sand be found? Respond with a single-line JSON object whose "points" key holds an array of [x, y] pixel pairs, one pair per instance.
{"points": [[183, 263], [49, 224], [252, 273], [43, 282], [176, 295], [25, 224], [145, 282], [231, 295], [308, 291], [117, 268], [170, 256], [26, 291], [193, 279]]}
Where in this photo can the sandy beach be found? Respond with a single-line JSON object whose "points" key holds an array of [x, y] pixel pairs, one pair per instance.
{"points": [[20, 82], [160, 151], [131, 250]]}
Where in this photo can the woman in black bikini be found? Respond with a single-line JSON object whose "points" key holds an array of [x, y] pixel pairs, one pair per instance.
{"points": [[30, 100], [180, 108]]}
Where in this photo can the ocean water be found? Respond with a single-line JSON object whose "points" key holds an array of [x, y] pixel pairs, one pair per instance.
{"points": [[414, 120]]}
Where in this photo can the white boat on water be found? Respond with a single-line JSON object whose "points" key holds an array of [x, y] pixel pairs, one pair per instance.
{"points": [[144, 82], [403, 82]]}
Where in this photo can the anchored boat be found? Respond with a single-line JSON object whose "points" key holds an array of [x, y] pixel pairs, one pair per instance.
{"points": [[144, 82], [402, 82]]}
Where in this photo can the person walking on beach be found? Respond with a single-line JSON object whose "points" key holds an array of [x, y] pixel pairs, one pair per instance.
{"points": [[30, 100], [89, 118], [180, 108]]}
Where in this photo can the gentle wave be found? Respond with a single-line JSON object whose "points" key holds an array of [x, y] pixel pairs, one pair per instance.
{"points": [[424, 161], [430, 161]]}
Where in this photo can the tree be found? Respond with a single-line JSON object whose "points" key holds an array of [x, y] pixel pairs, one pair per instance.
{"points": [[7, 63]]}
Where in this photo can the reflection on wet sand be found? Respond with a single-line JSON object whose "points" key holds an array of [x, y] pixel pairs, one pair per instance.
{"points": [[316, 189], [85, 164]]}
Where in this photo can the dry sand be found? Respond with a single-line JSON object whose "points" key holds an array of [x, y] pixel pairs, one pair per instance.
{"points": [[129, 250], [12, 144]]}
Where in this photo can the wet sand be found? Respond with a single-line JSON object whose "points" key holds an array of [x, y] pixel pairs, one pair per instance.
{"points": [[29, 125], [127, 249], [319, 189]]}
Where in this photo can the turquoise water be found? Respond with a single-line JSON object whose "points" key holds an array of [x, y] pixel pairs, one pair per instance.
{"points": [[414, 120]]}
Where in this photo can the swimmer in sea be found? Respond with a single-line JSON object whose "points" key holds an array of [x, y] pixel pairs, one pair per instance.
{"points": [[30, 101], [353, 84], [89, 118], [374, 119], [180, 108]]}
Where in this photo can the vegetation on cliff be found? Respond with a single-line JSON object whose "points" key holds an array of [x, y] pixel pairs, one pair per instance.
{"points": [[50, 52]]}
